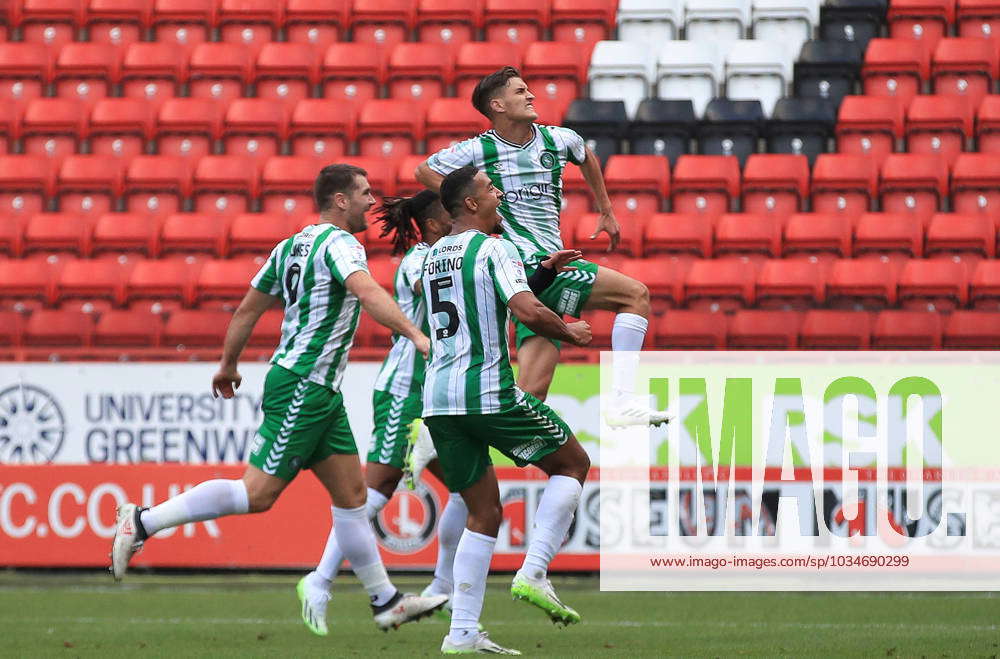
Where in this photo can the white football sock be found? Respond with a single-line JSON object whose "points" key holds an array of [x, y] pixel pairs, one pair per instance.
{"points": [[472, 564], [552, 519], [450, 530], [329, 564], [627, 335], [206, 500], [357, 541]]}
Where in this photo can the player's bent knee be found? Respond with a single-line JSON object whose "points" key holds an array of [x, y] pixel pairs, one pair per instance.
{"points": [[260, 501], [638, 294]]}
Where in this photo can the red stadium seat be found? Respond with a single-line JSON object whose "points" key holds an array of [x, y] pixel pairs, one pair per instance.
{"points": [[938, 125], [388, 128], [950, 234], [965, 67], [87, 71], [935, 285], [984, 289], [764, 330], [225, 185], [23, 278], [815, 234], [286, 71], [381, 174], [53, 127], [576, 193], [63, 329], [90, 185], [978, 18], [907, 330], [25, 183], [678, 233], [160, 280], [554, 70], [251, 23], [476, 60], [10, 126], [50, 22], [420, 72], [121, 127], [720, 285], [186, 233], [371, 334], [790, 284], [691, 330], [451, 120], [25, 70], [705, 184], [257, 233], [914, 184], [286, 185], [117, 22], [519, 22], [195, 329], [57, 232], [383, 268], [153, 72], [451, 22], [318, 23], [157, 185], [220, 71], [637, 184], [11, 235], [186, 23], [353, 72], [975, 185], [225, 279], [322, 128], [630, 236], [583, 21], [11, 328], [125, 232], [835, 330], [550, 111], [382, 22], [965, 330], [267, 331], [869, 125], [843, 183], [406, 180], [118, 328], [100, 278], [746, 234], [861, 284], [775, 183], [884, 233], [255, 127], [895, 67], [923, 20], [189, 127], [988, 124], [664, 278]]}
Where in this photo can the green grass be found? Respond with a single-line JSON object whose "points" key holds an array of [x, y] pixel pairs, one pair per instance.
{"points": [[70, 615]]}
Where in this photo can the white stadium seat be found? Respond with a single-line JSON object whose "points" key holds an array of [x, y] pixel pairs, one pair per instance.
{"points": [[621, 70], [650, 21], [689, 70], [716, 20], [789, 21], [757, 69]]}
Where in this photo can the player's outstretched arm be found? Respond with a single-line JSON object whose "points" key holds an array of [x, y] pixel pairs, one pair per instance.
{"points": [[380, 306], [591, 169], [541, 320], [254, 304], [428, 177]]}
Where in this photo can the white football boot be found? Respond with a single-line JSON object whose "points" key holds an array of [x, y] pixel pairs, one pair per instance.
{"points": [[314, 600], [129, 538], [478, 644], [406, 607]]}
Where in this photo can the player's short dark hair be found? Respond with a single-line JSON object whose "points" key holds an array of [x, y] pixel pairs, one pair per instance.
{"points": [[455, 188], [489, 88], [333, 179]]}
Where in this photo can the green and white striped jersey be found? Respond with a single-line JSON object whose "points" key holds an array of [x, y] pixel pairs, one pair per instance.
{"points": [[530, 176], [467, 281], [308, 272], [402, 372]]}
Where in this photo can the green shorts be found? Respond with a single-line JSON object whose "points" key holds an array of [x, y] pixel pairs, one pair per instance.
{"points": [[393, 424], [566, 295], [525, 433], [304, 423]]}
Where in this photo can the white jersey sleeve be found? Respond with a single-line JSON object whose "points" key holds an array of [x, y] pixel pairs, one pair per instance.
{"points": [[459, 155], [506, 269], [345, 256], [412, 266], [569, 141], [267, 280]]}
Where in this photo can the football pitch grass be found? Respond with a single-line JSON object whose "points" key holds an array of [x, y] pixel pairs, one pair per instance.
{"points": [[169, 615]]}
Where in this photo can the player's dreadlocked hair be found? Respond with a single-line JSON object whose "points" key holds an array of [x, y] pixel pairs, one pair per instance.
{"points": [[405, 217]]}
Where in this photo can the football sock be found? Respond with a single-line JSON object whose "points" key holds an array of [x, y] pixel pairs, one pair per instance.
{"points": [[472, 564], [207, 500], [627, 335], [450, 530], [552, 519], [356, 539], [329, 564]]}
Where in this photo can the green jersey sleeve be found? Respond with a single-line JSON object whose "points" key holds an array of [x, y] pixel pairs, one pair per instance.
{"points": [[267, 280], [506, 269], [345, 256], [459, 155]]}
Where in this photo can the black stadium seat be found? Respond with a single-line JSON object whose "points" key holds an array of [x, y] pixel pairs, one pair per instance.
{"points": [[828, 69], [730, 128], [601, 123], [852, 20], [662, 127], [801, 125]]}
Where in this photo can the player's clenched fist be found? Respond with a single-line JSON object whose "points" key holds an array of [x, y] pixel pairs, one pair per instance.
{"points": [[226, 382], [580, 331]]}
